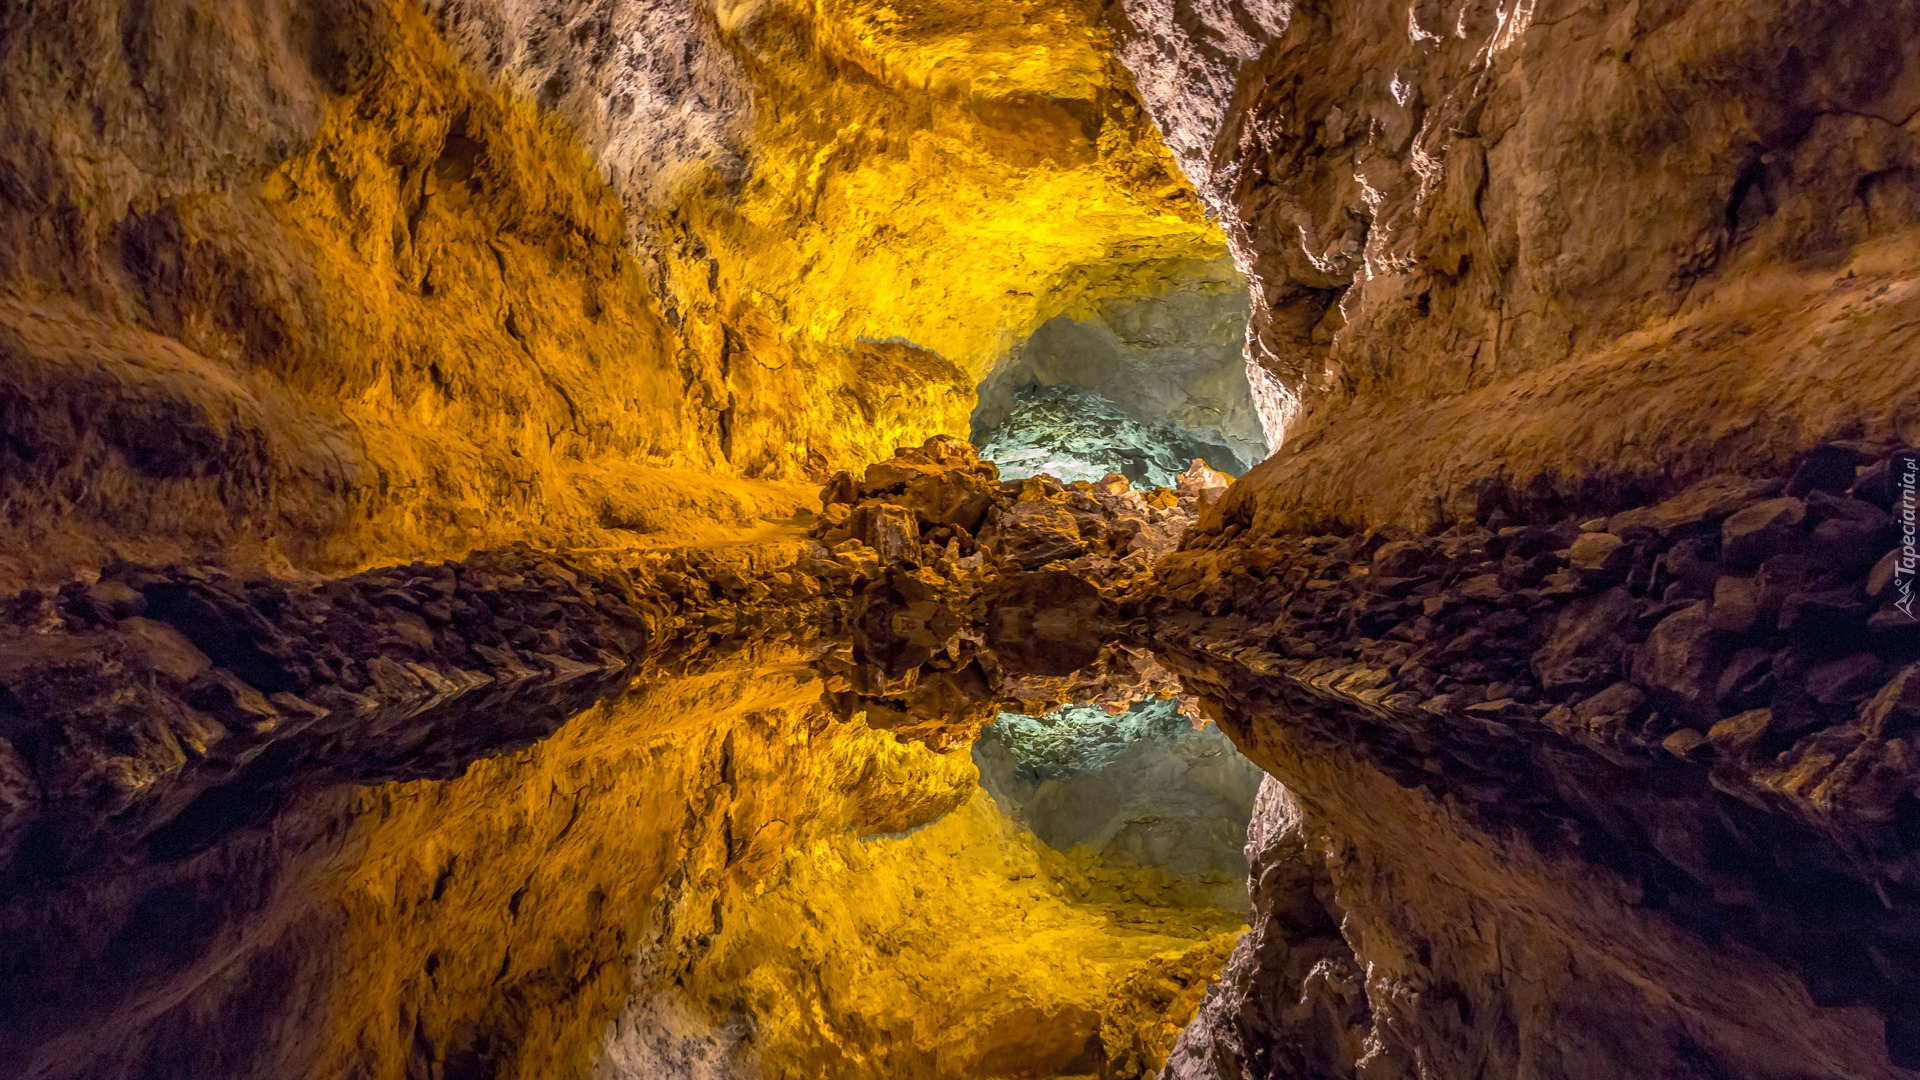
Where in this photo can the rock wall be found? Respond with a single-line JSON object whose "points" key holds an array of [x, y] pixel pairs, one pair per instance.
{"points": [[356, 282], [1563, 248]]}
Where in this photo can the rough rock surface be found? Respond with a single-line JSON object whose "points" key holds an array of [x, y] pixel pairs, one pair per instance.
{"points": [[974, 596], [348, 283], [1569, 819], [1290, 1001], [1070, 434], [1575, 248]]}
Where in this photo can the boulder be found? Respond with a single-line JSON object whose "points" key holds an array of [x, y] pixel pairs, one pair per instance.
{"points": [[1034, 532], [1849, 534], [1827, 619], [950, 498], [1765, 529], [1584, 646], [1599, 554], [1736, 605], [1691, 510], [1846, 680], [1740, 733], [1695, 565], [1746, 681], [1203, 485], [1680, 663], [1400, 559]]}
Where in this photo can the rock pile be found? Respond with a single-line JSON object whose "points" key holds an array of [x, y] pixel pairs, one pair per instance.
{"points": [[1752, 627], [975, 595]]}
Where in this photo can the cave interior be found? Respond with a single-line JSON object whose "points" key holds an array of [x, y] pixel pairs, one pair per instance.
{"points": [[920, 540]]}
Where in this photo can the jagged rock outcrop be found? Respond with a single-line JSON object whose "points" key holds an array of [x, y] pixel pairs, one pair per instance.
{"points": [[1290, 1000], [1167, 367], [1558, 245], [129, 700]]}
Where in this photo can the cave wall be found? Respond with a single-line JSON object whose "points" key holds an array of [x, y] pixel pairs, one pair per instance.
{"points": [[328, 285], [1565, 248]]}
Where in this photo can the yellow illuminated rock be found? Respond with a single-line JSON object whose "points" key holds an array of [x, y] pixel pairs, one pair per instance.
{"points": [[500, 915], [313, 287], [962, 949], [712, 846], [364, 298]]}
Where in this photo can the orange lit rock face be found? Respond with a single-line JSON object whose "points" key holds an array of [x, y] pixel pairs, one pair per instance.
{"points": [[328, 285]]}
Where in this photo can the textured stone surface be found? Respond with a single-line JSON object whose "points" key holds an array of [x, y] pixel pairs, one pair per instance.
{"points": [[1566, 248], [1593, 696], [348, 283], [1072, 435], [1568, 819]]}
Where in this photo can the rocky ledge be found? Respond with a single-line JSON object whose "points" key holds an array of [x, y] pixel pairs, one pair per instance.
{"points": [[1711, 699], [973, 596]]}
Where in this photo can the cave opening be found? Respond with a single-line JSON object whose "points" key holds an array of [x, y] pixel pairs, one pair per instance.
{"points": [[1138, 384]]}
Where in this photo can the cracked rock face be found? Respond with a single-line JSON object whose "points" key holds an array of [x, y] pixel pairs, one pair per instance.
{"points": [[1522, 241]]}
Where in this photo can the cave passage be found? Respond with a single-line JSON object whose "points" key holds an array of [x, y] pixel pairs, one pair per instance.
{"points": [[1139, 385]]}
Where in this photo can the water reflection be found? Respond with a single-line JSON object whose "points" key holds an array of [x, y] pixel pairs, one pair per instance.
{"points": [[705, 874]]}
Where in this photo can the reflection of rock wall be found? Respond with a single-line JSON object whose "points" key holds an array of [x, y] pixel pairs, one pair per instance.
{"points": [[485, 925], [1289, 1001], [962, 949], [1626, 797], [1143, 790], [1171, 354]]}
